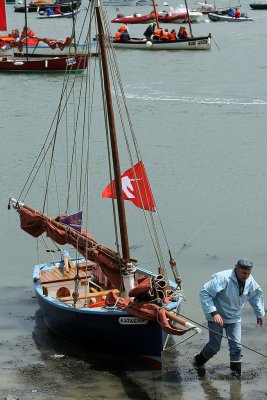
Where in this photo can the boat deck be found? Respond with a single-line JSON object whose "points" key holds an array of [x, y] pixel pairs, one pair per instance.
{"points": [[62, 275], [59, 283]]}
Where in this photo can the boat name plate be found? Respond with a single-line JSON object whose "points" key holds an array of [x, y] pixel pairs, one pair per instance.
{"points": [[132, 321]]}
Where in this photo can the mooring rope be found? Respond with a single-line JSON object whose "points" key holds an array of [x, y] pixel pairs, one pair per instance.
{"points": [[225, 337], [178, 344], [216, 44]]}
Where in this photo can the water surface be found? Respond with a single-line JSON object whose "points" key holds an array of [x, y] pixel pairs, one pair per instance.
{"points": [[200, 119]]}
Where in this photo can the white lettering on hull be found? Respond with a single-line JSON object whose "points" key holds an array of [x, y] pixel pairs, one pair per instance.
{"points": [[132, 321]]}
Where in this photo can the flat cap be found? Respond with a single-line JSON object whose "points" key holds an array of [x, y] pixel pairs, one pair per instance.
{"points": [[244, 263]]}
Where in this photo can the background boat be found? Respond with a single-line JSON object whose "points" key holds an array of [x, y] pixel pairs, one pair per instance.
{"points": [[44, 65], [135, 18], [206, 8], [43, 49], [67, 14], [25, 63], [226, 18], [119, 2], [258, 6], [42, 5], [144, 3], [193, 43], [179, 15]]}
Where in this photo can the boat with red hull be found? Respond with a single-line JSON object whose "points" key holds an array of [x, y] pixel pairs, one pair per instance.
{"points": [[162, 16], [50, 64], [24, 62], [134, 19]]}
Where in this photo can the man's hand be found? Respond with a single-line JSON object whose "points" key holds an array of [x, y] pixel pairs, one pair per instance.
{"points": [[218, 320], [260, 321]]}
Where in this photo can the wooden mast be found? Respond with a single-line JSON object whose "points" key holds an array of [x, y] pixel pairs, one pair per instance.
{"points": [[189, 22], [156, 14], [113, 140], [26, 29]]}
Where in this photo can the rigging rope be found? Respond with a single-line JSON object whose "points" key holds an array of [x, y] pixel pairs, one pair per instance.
{"points": [[223, 336], [49, 147], [119, 91]]}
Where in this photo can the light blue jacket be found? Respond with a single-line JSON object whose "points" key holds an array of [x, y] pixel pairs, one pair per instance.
{"points": [[221, 294]]}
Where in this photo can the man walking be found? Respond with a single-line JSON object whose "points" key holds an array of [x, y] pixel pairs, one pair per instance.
{"points": [[222, 299]]}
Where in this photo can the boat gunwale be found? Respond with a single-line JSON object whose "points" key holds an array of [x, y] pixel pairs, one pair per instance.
{"points": [[38, 285]]}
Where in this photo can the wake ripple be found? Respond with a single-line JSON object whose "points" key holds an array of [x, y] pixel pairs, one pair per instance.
{"points": [[198, 100]]}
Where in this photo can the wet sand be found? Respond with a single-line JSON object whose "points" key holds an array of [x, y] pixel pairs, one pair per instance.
{"points": [[36, 364]]}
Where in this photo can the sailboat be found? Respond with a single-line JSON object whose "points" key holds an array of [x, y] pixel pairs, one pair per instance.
{"points": [[206, 8], [190, 43], [87, 291], [20, 63], [41, 5]]}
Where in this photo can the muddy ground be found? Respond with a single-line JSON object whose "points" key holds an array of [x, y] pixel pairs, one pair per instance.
{"points": [[37, 365]]}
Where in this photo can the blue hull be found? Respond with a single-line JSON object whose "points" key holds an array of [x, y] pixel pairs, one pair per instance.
{"points": [[104, 329]]}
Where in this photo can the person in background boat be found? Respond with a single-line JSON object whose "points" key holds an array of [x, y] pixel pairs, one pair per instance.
{"points": [[15, 34], [57, 10], [183, 34], [30, 33], [237, 13], [230, 12], [150, 30], [157, 34], [125, 37], [49, 11], [118, 35], [222, 299], [124, 28], [165, 35], [173, 35]]}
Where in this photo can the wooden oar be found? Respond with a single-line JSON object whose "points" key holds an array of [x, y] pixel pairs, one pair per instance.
{"points": [[181, 321]]}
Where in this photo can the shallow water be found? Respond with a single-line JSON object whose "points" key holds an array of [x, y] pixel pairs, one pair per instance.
{"points": [[200, 118], [36, 364]]}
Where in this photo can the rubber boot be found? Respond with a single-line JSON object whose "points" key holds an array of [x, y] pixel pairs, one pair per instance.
{"points": [[200, 359], [236, 369]]}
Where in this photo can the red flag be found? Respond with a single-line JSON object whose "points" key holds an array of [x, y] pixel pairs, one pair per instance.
{"points": [[135, 187], [3, 26]]}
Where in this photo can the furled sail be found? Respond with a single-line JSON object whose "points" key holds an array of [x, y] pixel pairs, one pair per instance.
{"points": [[36, 223]]}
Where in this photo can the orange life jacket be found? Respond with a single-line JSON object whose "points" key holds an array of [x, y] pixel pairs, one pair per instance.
{"points": [[117, 36], [172, 36], [157, 33], [165, 35]]}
